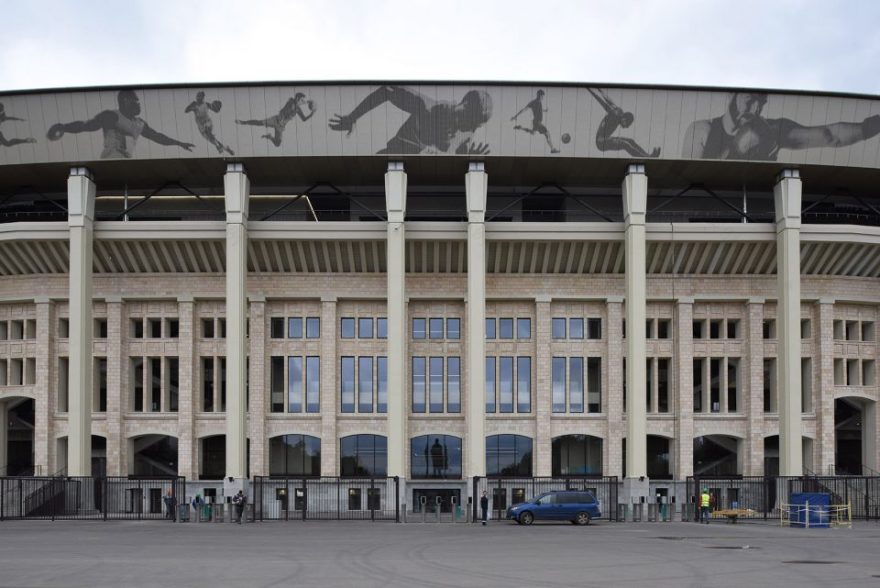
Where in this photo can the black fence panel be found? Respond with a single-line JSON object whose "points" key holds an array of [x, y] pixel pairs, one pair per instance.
{"points": [[751, 497], [506, 492], [861, 493], [88, 498], [326, 498]]}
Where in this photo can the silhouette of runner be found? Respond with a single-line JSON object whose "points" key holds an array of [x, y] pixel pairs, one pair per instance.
{"points": [[200, 109], [538, 110], [742, 133], [11, 142], [121, 128], [432, 126], [615, 118], [289, 111]]}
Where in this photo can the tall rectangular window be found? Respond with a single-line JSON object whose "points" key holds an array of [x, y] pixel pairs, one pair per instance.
{"points": [[365, 384], [381, 384], [435, 383], [576, 328], [365, 328], [594, 328], [649, 384], [732, 384], [594, 384], [294, 384], [418, 328], [137, 374], [453, 384], [576, 384], [222, 370], [505, 384], [172, 365], [347, 383], [64, 382], [313, 384], [558, 377], [715, 384], [100, 377], [346, 328], [770, 384], [295, 327], [490, 328], [453, 328], [276, 327], [155, 384], [557, 330], [276, 383], [490, 385], [382, 328], [523, 328], [419, 385], [313, 327], [663, 381], [523, 384], [698, 385], [505, 328], [435, 328]]}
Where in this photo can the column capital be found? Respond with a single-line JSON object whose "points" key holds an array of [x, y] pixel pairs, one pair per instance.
{"points": [[42, 300], [684, 300], [757, 300], [543, 298], [787, 199], [257, 299], [329, 298], [186, 299], [476, 187], [635, 195], [236, 189], [395, 192], [80, 198]]}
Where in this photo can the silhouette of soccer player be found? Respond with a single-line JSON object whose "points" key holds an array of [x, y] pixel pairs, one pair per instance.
{"points": [[538, 110], [121, 128], [11, 142], [200, 109], [742, 133], [432, 126], [289, 111], [615, 118]]}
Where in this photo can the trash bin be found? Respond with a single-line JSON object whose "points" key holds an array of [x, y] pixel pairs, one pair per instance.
{"points": [[218, 512], [810, 509], [183, 512]]}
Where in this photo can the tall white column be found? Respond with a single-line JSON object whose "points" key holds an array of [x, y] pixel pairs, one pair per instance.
{"points": [[187, 403], [823, 447], [117, 390], [543, 402], [476, 187], [329, 391], [237, 191], [80, 219], [612, 397], [257, 388], [787, 197], [754, 328], [46, 394], [635, 200], [395, 204]]}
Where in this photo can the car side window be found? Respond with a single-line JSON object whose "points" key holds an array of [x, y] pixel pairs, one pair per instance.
{"points": [[586, 498], [544, 500]]}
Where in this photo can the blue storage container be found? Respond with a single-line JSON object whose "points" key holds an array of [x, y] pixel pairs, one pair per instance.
{"points": [[819, 514]]}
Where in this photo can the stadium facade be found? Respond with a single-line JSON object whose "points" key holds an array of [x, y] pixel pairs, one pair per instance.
{"points": [[438, 281]]}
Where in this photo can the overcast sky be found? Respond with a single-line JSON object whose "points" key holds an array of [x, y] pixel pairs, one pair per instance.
{"points": [[801, 44]]}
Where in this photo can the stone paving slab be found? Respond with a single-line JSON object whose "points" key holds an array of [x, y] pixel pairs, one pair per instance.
{"points": [[363, 554]]}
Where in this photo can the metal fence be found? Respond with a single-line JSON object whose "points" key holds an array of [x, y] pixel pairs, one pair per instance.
{"points": [[87, 498], [760, 497], [326, 498], [506, 492]]}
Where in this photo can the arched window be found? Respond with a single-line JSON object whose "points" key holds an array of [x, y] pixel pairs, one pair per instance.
{"points": [[435, 457], [363, 455], [577, 455], [294, 455], [508, 456]]}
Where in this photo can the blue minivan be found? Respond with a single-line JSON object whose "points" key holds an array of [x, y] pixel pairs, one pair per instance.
{"points": [[577, 506]]}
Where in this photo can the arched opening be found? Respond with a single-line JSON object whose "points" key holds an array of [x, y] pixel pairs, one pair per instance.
{"points": [[17, 437], [435, 457], [363, 456], [659, 460], [294, 455], [854, 439], [508, 456], [717, 455], [98, 456], [577, 455], [153, 456]]}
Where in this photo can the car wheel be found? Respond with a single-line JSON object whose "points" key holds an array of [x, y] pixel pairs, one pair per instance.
{"points": [[526, 518], [582, 518]]}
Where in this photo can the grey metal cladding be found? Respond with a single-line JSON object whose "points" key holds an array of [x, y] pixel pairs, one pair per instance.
{"points": [[442, 119]]}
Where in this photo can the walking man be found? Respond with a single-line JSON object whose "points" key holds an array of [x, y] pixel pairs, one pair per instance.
{"points": [[705, 506], [240, 500], [484, 508]]}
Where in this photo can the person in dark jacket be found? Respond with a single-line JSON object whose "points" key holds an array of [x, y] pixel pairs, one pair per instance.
{"points": [[239, 500], [484, 508]]}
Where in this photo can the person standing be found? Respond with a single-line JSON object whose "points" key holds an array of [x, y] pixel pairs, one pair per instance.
{"points": [[484, 508], [705, 506], [239, 500], [171, 505]]}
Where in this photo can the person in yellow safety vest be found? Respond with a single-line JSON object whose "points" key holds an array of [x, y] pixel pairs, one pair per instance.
{"points": [[705, 506]]}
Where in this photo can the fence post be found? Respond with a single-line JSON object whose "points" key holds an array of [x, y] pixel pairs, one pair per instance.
{"points": [[397, 499], [305, 498], [105, 501]]}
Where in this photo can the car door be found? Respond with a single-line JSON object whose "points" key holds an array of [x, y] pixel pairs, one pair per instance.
{"points": [[544, 507]]}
